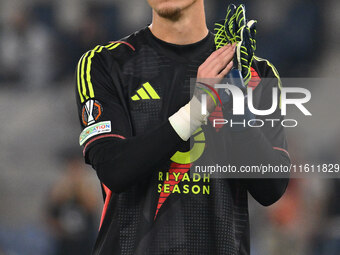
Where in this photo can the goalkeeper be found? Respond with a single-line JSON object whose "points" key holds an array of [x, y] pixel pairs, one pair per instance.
{"points": [[134, 106]]}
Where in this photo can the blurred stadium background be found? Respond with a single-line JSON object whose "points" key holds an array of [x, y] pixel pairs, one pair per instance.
{"points": [[40, 44]]}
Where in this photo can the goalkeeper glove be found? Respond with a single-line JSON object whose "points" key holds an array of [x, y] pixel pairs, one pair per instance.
{"points": [[235, 28]]}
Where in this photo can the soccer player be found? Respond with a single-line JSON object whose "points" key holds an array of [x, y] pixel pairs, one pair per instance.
{"points": [[134, 103]]}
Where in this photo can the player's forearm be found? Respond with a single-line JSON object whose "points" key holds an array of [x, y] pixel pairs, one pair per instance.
{"points": [[267, 191], [120, 164], [251, 147]]}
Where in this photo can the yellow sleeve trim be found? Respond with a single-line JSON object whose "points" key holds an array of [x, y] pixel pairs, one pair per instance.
{"points": [[276, 73], [84, 71]]}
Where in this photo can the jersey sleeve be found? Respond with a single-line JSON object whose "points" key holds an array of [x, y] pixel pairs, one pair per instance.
{"points": [[100, 102], [272, 128]]}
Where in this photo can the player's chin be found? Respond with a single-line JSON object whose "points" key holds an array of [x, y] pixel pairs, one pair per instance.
{"points": [[172, 13], [170, 9]]}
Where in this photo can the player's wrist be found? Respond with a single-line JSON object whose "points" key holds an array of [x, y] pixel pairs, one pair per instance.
{"points": [[188, 119]]}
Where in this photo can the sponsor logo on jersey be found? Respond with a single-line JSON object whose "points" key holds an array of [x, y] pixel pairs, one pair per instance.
{"points": [[178, 173], [195, 153], [91, 112], [146, 92], [96, 129]]}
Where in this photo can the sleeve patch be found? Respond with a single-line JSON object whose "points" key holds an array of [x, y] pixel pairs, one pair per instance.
{"points": [[96, 129], [91, 112]]}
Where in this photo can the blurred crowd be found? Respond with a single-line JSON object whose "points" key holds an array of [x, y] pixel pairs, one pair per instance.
{"points": [[40, 45], [43, 40]]}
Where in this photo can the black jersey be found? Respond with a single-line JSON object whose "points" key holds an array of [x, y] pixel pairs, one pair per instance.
{"points": [[127, 88]]}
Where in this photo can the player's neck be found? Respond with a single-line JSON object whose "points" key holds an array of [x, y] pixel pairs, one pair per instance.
{"points": [[189, 28]]}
